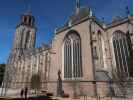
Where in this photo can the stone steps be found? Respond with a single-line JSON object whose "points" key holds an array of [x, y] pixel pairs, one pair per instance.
{"points": [[128, 88]]}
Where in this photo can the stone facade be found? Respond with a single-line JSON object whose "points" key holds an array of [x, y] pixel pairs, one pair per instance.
{"points": [[99, 54], [98, 57], [30, 63]]}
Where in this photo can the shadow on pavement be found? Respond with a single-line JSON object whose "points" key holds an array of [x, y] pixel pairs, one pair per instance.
{"points": [[30, 98]]}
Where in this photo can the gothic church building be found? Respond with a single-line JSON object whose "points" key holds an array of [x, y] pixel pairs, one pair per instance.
{"points": [[83, 50]]}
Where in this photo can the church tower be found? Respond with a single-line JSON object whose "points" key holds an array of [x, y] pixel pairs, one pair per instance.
{"points": [[25, 35], [24, 40]]}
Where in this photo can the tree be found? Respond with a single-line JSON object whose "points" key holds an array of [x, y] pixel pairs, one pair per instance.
{"points": [[35, 82], [2, 70]]}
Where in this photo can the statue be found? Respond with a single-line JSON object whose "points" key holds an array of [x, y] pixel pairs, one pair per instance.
{"points": [[59, 75], [59, 84]]}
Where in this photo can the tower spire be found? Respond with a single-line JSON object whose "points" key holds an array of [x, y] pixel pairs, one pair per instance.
{"points": [[77, 5], [27, 6], [27, 18]]}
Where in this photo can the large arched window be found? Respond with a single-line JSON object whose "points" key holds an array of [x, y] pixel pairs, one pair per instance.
{"points": [[121, 53], [72, 56]]}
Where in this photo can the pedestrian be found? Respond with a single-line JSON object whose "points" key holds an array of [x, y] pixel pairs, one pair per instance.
{"points": [[26, 92], [22, 93]]}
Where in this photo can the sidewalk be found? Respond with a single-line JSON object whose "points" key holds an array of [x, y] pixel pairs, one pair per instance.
{"points": [[82, 98], [92, 98]]}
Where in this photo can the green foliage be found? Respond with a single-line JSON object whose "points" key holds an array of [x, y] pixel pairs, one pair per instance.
{"points": [[35, 82], [2, 70]]}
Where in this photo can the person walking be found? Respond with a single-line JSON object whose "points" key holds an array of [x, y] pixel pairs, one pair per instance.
{"points": [[26, 93], [22, 93]]}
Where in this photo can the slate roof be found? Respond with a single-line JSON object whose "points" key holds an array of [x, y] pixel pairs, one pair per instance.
{"points": [[84, 12]]}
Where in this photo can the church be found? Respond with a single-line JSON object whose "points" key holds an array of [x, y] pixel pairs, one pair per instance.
{"points": [[84, 51]]}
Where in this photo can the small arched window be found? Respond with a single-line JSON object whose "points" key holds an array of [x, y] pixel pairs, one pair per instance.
{"points": [[121, 53], [72, 56]]}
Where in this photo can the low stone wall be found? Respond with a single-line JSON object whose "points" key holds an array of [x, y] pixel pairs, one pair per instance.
{"points": [[73, 88], [102, 89]]}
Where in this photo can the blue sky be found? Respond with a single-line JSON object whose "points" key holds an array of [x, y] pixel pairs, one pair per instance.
{"points": [[50, 14]]}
